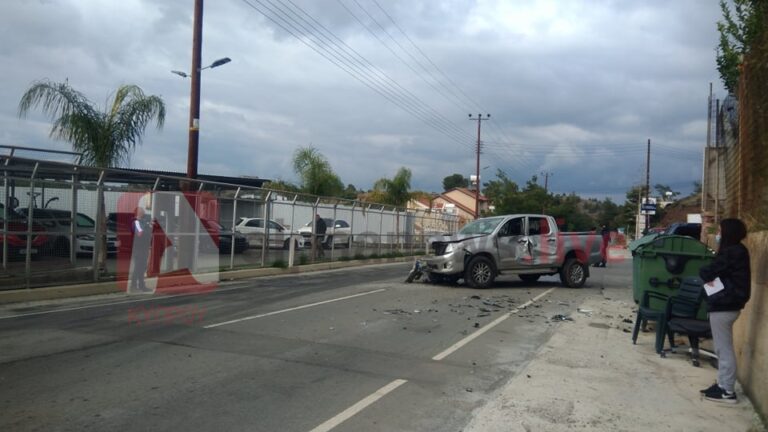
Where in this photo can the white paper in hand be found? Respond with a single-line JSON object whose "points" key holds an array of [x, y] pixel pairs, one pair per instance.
{"points": [[714, 287]]}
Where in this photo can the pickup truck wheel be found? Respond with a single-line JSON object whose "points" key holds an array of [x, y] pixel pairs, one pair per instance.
{"points": [[573, 274], [480, 272], [530, 278]]}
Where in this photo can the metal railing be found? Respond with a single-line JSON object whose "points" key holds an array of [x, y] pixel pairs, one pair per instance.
{"points": [[58, 219]]}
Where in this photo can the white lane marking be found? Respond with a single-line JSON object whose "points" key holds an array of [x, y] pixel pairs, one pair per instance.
{"points": [[356, 408], [487, 327], [293, 308], [240, 285], [97, 305]]}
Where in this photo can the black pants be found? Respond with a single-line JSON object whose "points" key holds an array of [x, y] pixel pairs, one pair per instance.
{"points": [[139, 259]]}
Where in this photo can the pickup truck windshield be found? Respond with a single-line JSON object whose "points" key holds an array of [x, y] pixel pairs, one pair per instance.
{"points": [[481, 226]]}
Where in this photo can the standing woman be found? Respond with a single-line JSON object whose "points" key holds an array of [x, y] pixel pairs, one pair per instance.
{"points": [[731, 265]]}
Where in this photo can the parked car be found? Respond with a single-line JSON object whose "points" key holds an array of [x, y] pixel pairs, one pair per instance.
{"points": [[225, 237], [58, 224], [684, 229], [337, 232], [279, 236], [16, 241], [528, 245]]}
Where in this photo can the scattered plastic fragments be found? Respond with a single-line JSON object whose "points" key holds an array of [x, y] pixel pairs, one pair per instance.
{"points": [[561, 317]]}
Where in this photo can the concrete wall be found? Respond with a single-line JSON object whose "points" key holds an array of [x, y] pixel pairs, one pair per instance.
{"points": [[751, 329]]}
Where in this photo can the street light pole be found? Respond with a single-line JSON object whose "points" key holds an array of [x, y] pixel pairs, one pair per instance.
{"points": [[194, 99]]}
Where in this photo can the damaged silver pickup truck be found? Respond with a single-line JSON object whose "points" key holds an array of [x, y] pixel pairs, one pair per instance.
{"points": [[528, 245]]}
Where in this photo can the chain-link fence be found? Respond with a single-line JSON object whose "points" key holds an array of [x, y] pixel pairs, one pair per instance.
{"points": [[64, 224]]}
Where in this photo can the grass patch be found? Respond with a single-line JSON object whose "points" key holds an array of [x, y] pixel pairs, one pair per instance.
{"points": [[303, 259], [279, 264]]}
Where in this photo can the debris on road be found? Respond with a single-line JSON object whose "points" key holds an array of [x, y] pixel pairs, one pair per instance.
{"points": [[561, 317]]}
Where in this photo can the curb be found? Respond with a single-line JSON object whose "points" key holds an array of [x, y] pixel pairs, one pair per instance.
{"points": [[110, 287]]}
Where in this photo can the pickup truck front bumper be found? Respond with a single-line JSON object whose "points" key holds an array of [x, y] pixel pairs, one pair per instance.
{"points": [[448, 264]]}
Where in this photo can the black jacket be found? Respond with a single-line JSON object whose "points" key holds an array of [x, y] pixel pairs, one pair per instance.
{"points": [[731, 265]]}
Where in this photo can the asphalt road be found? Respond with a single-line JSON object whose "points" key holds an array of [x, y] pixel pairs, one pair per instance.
{"points": [[344, 350]]}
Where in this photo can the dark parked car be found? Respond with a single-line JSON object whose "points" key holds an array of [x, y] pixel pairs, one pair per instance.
{"points": [[685, 229], [225, 237]]}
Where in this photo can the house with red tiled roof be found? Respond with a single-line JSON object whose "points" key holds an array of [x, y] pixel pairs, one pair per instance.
{"points": [[457, 201]]}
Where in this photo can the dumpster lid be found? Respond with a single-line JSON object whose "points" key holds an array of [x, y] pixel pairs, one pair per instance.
{"points": [[642, 241]]}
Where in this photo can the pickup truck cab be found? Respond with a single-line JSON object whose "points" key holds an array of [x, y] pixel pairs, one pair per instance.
{"points": [[529, 245]]}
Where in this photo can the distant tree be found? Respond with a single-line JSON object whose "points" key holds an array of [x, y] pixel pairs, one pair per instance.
{"points": [[662, 190], [502, 192], [350, 192], [282, 185], [696, 188], [454, 181], [395, 191], [314, 170], [738, 31]]}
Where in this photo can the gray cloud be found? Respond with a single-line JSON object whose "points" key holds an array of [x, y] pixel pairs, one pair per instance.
{"points": [[573, 88]]}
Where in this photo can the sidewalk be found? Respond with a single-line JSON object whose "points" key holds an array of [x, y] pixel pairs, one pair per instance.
{"points": [[589, 376]]}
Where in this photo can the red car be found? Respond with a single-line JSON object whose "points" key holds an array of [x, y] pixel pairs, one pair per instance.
{"points": [[16, 226]]}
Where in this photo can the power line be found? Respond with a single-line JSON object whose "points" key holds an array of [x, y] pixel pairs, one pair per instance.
{"points": [[344, 60]]}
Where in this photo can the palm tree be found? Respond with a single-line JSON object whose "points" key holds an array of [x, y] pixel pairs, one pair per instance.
{"points": [[314, 170], [105, 138], [395, 191]]}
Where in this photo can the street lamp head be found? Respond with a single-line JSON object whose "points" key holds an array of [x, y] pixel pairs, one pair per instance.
{"points": [[217, 63], [180, 73]]}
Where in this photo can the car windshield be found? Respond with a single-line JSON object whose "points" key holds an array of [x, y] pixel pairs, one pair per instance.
{"points": [[481, 226]]}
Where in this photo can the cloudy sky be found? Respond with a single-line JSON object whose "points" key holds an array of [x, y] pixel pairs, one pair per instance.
{"points": [[574, 88]]}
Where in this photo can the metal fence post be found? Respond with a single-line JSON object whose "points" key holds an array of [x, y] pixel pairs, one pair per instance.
{"points": [[73, 223], [5, 218], [99, 232], [351, 239], [28, 258], [234, 216], [333, 240], [265, 239], [381, 228]]}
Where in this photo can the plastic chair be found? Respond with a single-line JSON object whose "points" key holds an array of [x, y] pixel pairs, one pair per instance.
{"points": [[658, 307], [680, 317], [646, 312]]}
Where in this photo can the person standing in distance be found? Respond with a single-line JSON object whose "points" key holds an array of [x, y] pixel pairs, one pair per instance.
{"points": [[141, 237], [320, 229], [731, 265]]}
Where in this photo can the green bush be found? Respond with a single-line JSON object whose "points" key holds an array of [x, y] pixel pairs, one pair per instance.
{"points": [[279, 264], [373, 256], [359, 256], [303, 259], [345, 258]]}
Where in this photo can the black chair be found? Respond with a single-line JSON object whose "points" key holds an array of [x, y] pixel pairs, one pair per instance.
{"points": [[695, 329], [680, 317]]}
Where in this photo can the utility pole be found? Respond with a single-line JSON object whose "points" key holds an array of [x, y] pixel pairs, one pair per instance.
{"points": [[647, 181], [477, 166], [194, 98], [546, 175]]}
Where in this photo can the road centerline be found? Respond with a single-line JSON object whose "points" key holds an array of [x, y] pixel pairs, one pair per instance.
{"points": [[455, 347], [293, 308]]}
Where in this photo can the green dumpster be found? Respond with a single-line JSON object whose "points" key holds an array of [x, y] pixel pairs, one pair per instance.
{"points": [[660, 262]]}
